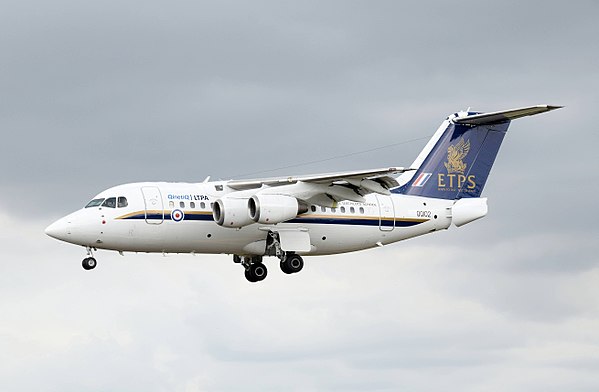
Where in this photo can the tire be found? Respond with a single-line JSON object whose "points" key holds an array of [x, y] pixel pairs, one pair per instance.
{"points": [[258, 271], [293, 263], [249, 276], [284, 268], [89, 263]]}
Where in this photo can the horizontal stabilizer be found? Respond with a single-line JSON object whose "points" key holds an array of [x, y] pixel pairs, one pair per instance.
{"points": [[503, 116]]}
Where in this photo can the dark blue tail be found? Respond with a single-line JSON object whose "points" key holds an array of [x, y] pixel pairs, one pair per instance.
{"points": [[460, 161]]}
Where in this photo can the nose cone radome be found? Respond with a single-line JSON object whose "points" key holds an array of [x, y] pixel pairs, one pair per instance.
{"points": [[57, 230]]}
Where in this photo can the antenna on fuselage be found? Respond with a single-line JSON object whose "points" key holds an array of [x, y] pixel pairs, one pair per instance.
{"points": [[206, 180]]}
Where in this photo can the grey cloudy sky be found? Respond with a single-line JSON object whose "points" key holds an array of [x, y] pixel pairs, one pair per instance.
{"points": [[94, 94]]}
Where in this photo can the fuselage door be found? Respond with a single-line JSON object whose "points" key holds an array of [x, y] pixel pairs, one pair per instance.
{"points": [[153, 205], [386, 213]]}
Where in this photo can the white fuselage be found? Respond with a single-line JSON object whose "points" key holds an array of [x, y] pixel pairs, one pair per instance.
{"points": [[177, 218]]}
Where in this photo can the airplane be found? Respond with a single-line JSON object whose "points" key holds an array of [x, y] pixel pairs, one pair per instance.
{"points": [[296, 216]]}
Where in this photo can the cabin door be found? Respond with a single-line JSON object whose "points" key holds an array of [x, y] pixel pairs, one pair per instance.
{"points": [[153, 205], [386, 213]]}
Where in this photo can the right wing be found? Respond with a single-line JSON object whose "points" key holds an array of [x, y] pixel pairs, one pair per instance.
{"points": [[327, 188]]}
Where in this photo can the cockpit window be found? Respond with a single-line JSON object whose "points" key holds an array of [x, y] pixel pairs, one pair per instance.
{"points": [[122, 202], [94, 203], [110, 202]]}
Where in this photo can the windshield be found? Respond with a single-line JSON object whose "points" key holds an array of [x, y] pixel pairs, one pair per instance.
{"points": [[110, 202], [94, 203], [122, 202]]}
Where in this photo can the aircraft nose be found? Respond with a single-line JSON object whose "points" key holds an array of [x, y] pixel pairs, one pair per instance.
{"points": [[57, 230]]}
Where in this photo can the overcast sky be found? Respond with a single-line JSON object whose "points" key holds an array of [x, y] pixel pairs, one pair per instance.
{"points": [[95, 94]]}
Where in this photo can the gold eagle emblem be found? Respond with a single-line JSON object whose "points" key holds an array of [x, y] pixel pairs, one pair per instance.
{"points": [[455, 154]]}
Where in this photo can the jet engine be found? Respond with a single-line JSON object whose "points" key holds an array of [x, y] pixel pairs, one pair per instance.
{"points": [[272, 209], [231, 212]]}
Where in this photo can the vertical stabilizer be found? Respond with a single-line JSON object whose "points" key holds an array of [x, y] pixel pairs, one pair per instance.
{"points": [[457, 161]]}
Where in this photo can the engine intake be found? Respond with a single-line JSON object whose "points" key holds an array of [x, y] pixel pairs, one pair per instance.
{"points": [[272, 209], [231, 212]]}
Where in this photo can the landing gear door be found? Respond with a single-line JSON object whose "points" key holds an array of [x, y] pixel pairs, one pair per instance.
{"points": [[153, 205], [294, 240], [386, 213]]}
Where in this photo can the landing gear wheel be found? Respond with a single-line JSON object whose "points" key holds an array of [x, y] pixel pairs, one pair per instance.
{"points": [[249, 276], [292, 264], [89, 263], [284, 268], [256, 272]]}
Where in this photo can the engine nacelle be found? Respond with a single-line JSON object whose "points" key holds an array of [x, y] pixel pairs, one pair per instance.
{"points": [[468, 210], [272, 209], [231, 212]]}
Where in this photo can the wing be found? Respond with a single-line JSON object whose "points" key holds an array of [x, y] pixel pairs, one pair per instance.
{"points": [[328, 188]]}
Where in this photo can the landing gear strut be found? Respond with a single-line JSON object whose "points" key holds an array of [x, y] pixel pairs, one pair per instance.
{"points": [[290, 262], [89, 262]]}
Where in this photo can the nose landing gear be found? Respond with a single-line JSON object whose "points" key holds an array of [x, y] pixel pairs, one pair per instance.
{"points": [[89, 262]]}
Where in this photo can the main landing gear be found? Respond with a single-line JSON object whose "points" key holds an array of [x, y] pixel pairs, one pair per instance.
{"points": [[255, 270], [89, 262], [291, 263]]}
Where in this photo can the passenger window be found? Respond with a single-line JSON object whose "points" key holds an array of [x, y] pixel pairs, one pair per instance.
{"points": [[361, 210], [333, 209], [342, 209], [122, 202], [182, 204], [202, 205], [110, 202], [171, 204], [94, 203], [323, 209], [352, 210], [192, 204], [313, 208]]}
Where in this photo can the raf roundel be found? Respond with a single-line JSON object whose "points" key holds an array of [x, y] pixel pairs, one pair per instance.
{"points": [[177, 215]]}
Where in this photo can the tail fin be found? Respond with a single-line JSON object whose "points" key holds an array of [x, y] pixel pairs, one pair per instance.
{"points": [[457, 160]]}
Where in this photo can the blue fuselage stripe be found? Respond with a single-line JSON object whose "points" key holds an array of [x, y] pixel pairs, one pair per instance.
{"points": [[354, 222], [389, 222]]}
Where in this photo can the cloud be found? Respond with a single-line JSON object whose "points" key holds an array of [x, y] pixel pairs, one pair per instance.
{"points": [[411, 315]]}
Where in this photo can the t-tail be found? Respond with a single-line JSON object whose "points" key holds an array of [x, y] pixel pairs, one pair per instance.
{"points": [[456, 162]]}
